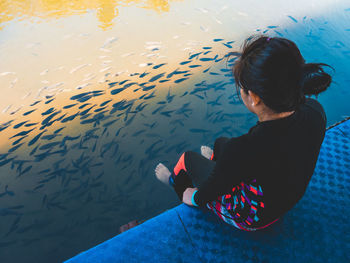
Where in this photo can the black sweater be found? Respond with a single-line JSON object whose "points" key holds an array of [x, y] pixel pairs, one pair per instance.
{"points": [[280, 154]]}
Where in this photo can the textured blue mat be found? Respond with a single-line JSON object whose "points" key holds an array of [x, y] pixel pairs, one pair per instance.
{"points": [[315, 230]]}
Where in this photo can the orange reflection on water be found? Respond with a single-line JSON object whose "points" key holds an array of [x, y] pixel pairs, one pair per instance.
{"points": [[107, 10]]}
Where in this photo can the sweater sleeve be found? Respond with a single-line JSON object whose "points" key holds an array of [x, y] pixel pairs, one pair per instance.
{"points": [[229, 170], [218, 146]]}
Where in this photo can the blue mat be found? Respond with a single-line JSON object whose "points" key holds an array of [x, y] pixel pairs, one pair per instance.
{"points": [[315, 230]]}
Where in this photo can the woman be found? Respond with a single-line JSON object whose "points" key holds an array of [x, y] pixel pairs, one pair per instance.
{"points": [[259, 176]]}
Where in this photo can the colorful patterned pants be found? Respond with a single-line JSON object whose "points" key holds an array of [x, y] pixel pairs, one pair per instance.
{"points": [[192, 169]]}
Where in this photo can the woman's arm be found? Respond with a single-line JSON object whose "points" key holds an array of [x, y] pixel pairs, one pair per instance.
{"points": [[188, 196], [218, 147], [230, 169]]}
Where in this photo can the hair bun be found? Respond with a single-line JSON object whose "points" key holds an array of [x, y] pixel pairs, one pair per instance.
{"points": [[314, 79]]}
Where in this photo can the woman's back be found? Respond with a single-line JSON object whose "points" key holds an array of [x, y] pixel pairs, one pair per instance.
{"points": [[259, 176], [283, 154]]}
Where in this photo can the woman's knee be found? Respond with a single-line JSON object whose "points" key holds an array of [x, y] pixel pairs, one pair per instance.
{"points": [[189, 155]]}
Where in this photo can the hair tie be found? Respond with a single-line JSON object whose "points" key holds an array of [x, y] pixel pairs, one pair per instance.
{"points": [[268, 39]]}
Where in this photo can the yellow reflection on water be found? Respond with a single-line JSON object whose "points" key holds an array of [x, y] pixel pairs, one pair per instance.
{"points": [[107, 10]]}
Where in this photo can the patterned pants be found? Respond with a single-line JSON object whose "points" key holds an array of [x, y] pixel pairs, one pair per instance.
{"points": [[192, 169]]}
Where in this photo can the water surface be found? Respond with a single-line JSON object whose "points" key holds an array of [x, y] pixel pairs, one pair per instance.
{"points": [[97, 93]]}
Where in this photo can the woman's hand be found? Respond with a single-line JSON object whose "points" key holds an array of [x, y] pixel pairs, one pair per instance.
{"points": [[187, 196]]}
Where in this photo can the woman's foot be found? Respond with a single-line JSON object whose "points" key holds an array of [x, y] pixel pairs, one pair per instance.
{"points": [[162, 173], [206, 151]]}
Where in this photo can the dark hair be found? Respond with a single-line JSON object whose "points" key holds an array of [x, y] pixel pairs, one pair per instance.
{"points": [[275, 70]]}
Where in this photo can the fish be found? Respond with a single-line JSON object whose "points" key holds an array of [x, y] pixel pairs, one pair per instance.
{"points": [[159, 65], [73, 70], [7, 73], [109, 123], [154, 78], [84, 112], [6, 161], [124, 81], [3, 156], [34, 150], [48, 101], [28, 112], [19, 140], [50, 137], [58, 130], [185, 93], [27, 169], [7, 108], [293, 19], [22, 133], [180, 72], [129, 85], [84, 105], [158, 109], [116, 91], [82, 97], [185, 62], [199, 96], [127, 54], [180, 80], [46, 121], [194, 55], [19, 124], [167, 113], [206, 59], [100, 109], [34, 103], [69, 138], [7, 192], [150, 125], [144, 74], [112, 84], [150, 96], [109, 41], [70, 118], [5, 125], [148, 88], [49, 111], [38, 187], [105, 69], [15, 111], [138, 132], [194, 66], [206, 70], [217, 39], [169, 98], [14, 225], [49, 145], [105, 103], [70, 106], [203, 28]]}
